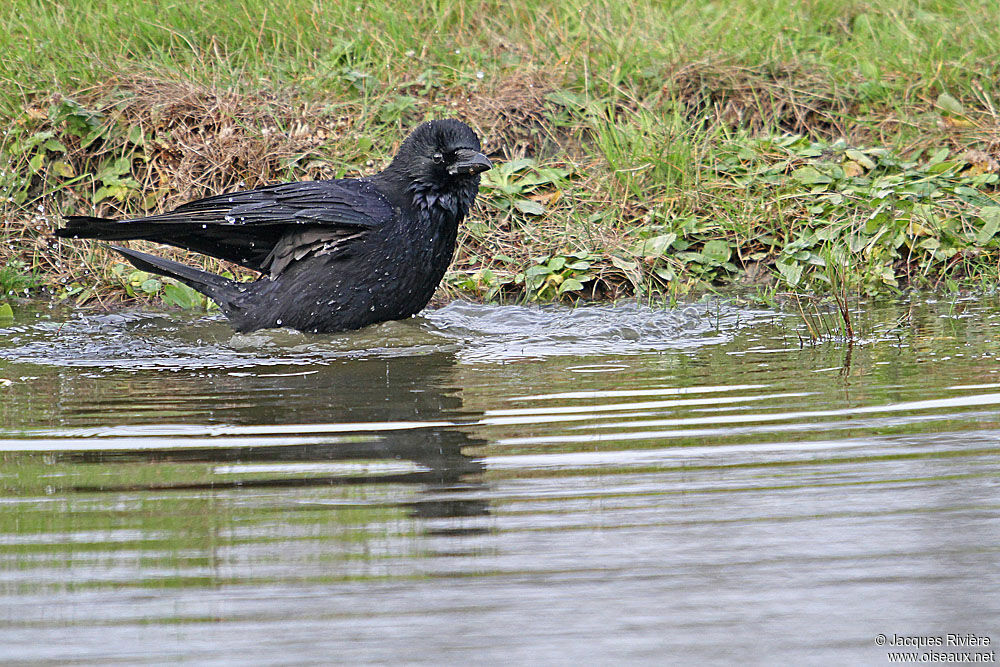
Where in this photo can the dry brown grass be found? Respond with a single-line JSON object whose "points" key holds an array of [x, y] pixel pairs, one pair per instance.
{"points": [[791, 97], [511, 115], [205, 140], [801, 99]]}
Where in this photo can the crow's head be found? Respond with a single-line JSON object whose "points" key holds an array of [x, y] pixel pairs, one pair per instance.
{"points": [[442, 156]]}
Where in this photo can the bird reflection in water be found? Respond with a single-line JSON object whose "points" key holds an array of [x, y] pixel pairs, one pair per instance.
{"points": [[410, 430]]}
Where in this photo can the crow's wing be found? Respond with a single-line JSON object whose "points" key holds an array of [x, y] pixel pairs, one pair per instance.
{"points": [[249, 227], [299, 243]]}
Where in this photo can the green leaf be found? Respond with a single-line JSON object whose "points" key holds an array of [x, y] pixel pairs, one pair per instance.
{"points": [[181, 296], [135, 135], [38, 138], [570, 285], [937, 156], [860, 158], [556, 263], [110, 170], [54, 145], [717, 251], [689, 256], [888, 277], [941, 167], [529, 206], [625, 265], [534, 282], [991, 224], [64, 169], [791, 272], [654, 247], [516, 165], [528, 182], [35, 163], [810, 176], [949, 103], [537, 271], [665, 272], [6, 312]]}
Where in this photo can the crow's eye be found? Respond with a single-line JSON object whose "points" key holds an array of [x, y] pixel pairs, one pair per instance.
{"points": [[438, 158]]}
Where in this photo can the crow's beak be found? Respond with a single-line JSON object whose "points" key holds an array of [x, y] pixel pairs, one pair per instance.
{"points": [[469, 162]]}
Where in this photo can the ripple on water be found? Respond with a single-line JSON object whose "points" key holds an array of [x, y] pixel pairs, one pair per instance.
{"points": [[474, 333]]}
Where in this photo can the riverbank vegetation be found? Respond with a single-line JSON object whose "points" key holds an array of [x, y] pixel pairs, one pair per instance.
{"points": [[643, 149]]}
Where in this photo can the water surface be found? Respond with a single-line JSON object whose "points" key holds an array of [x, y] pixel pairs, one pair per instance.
{"points": [[527, 484]]}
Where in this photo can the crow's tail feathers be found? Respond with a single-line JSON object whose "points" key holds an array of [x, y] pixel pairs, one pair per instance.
{"points": [[221, 290], [90, 227]]}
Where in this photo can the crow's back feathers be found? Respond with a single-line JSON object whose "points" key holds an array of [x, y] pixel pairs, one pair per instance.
{"points": [[246, 227]]}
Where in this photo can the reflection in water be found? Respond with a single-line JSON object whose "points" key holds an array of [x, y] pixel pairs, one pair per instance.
{"points": [[533, 484], [349, 397]]}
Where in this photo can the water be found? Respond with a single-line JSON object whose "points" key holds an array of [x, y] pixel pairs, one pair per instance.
{"points": [[535, 485]]}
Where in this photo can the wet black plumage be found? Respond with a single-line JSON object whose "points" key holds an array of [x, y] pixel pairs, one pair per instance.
{"points": [[338, 254]]}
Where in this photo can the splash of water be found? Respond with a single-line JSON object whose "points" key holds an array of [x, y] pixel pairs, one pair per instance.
{"points": [[474, 333]]}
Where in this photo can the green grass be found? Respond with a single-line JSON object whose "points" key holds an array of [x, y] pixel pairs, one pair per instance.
{"points": [[653, 148], [597, 46]]}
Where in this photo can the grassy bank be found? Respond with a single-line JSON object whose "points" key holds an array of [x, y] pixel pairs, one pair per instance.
{"points": [[647, 148]]}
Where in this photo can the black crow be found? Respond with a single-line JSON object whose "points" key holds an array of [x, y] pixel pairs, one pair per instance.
{"points": [[338, 254]]}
